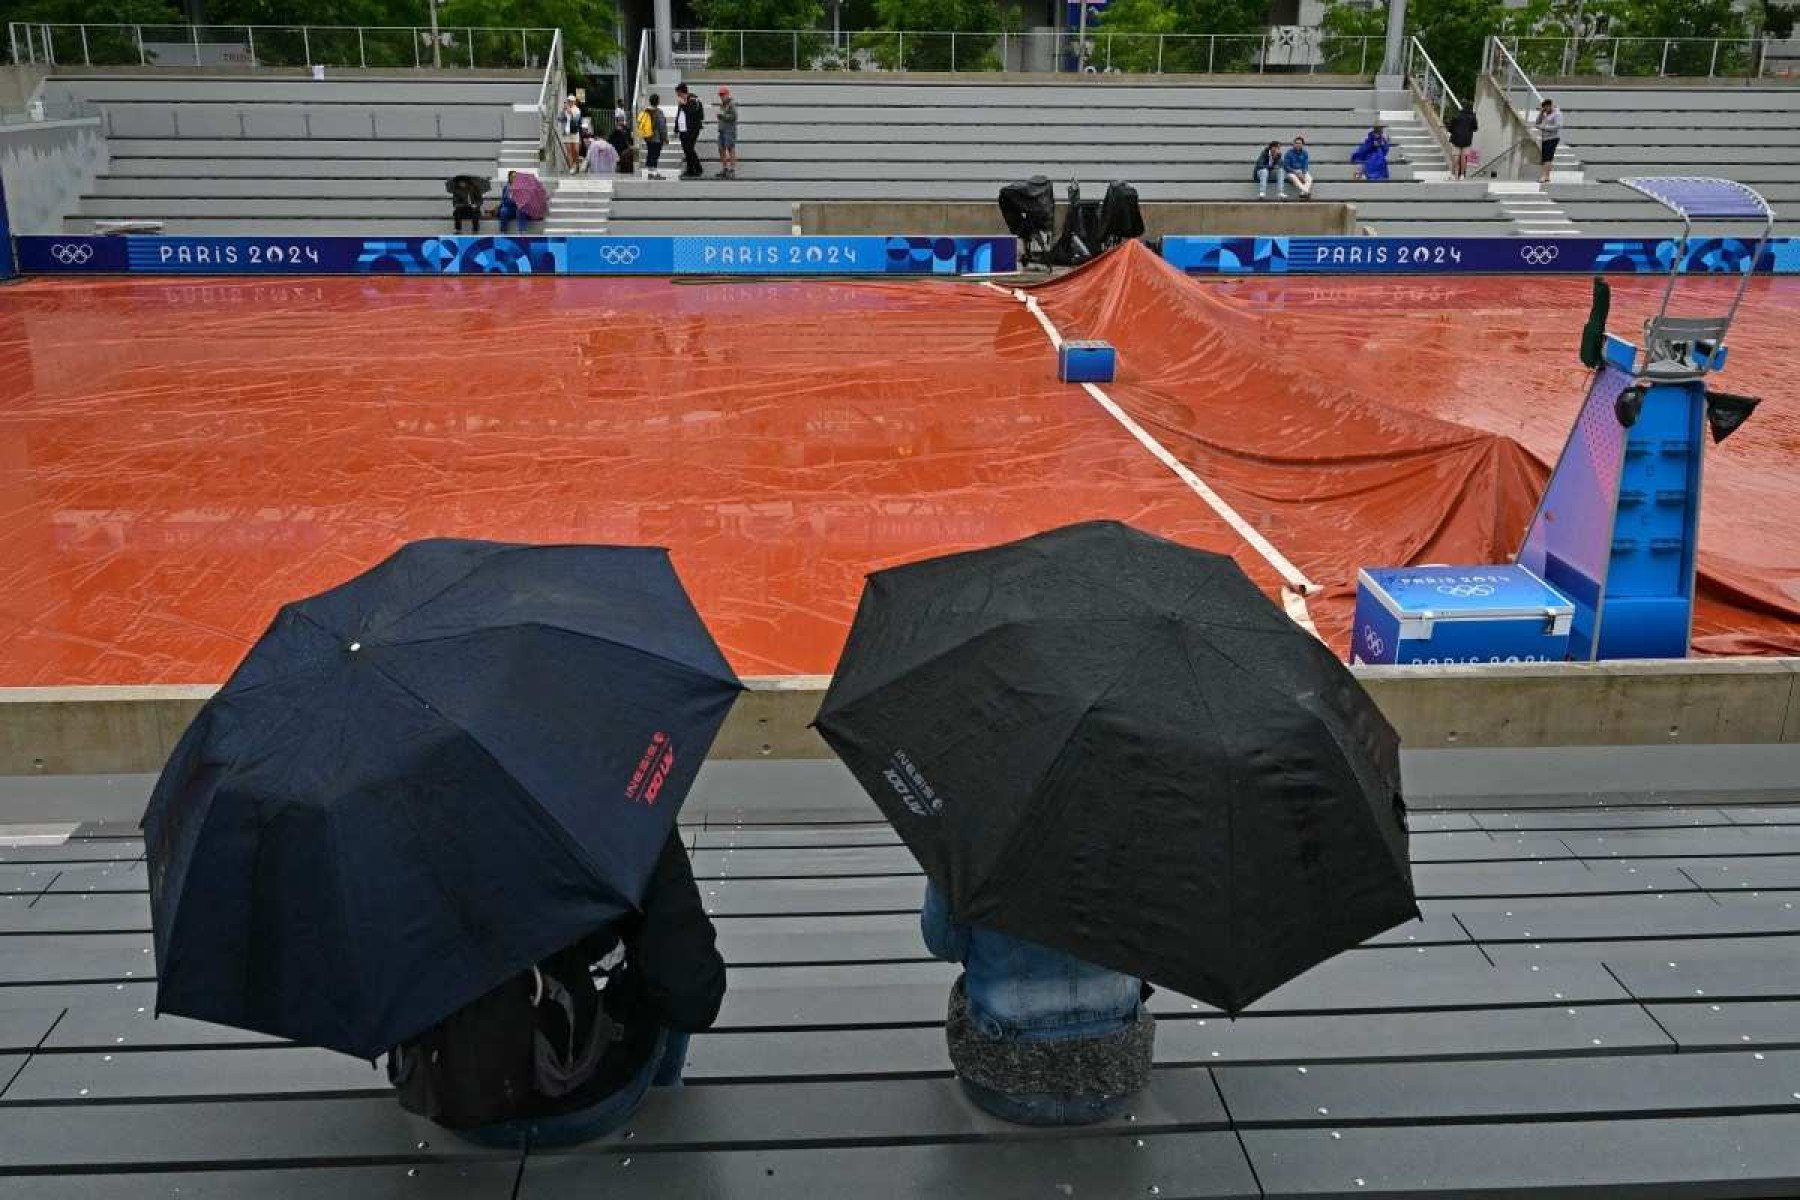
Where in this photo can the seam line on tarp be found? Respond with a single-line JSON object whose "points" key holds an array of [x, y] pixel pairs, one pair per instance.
{"points": [[1298, 586]]}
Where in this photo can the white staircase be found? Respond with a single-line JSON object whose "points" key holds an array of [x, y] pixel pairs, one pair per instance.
{"points": [[1415, 143], [1532, 212], [579, 204], [518, 156]]}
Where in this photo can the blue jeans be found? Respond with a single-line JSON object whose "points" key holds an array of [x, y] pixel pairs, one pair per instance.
{"points": [[1046, 1108], [507, 212], [584, 1124], [1264, 176]]}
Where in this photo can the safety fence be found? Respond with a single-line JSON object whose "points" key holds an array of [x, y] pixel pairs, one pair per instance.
{"points": [[1285, 49], [258, 47], [1641, 57]]}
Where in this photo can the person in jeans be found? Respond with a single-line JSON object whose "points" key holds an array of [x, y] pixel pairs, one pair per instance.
{"points": [[728, 129], [690, 114], [1461, 129], [1037, 1036], [1296, 165], [508, 209], [1268, 170], [1549, 124], [653, 127], [660, 979]]}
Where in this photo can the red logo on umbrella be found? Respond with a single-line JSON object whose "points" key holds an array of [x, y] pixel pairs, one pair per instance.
{"points": [[652, 769]]}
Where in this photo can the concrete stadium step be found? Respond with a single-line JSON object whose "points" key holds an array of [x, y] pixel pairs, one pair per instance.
{"points": [[368, 225], [1093, 184], [648, 227], [952, 119], [205, 187], [996, 174], [579, 205], [1778, 141], [163, 87], [301, 122], [1292, 91], [1577, 98], [1008, 128], [1025, 146], [1773, 164], [432, 167], [1682, 124], [165, 209], [382, 149]]}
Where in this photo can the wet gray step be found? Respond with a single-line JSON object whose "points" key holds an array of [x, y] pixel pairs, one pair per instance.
{"points": [[368, 226], [23, 1026], [942, 118], [626, 226], [823, 97], [1662, 123], [1648, 817], [301, 122], [1767, 141], [1057, 164], [1748, 1026], [1640, 1085], [152, 89], [1551, 922], [1777, 163], [441, 1181], [381, 150], [227, 187], [1025, 138], [1710, 1156], [1728, 974], [1175, 1164], [243, 206], [1680, 101], [435, 167], [27, 958]]}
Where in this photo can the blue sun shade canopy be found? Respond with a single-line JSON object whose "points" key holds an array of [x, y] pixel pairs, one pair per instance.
{"points": [[1696, 198]]}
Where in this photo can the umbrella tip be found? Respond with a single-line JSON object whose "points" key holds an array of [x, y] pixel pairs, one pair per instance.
{"points": [[355, 646]]}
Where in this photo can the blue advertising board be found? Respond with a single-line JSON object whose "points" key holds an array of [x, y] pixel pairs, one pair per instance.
{"points": [[522, 255], [1455, 256], [7, 269]]}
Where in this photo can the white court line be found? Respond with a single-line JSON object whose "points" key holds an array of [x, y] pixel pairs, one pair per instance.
{"points": [[1298, 585]]}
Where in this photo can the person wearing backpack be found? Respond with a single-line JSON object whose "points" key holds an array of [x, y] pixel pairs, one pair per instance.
{"points": [[653, 128], [690, 115], [565, 1052]]}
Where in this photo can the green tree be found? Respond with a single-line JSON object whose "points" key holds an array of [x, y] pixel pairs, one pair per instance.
{"points": [[1352, 36], [1218, 35], [110, 43], [928, 26], [1639, 27], [745, 38]]}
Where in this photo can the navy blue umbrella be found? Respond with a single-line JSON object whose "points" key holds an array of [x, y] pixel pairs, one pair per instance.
{"points": [[424, 780]]}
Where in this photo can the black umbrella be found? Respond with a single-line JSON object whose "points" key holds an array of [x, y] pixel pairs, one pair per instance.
{"points": [[1111, 744], [419, 783]]}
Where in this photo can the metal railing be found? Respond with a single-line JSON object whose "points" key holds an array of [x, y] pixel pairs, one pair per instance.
{"points": [[260, 47], [1643, 57], [550, 102], [640, 91], [1428, 83], [1500, 66], [1281, 49]]}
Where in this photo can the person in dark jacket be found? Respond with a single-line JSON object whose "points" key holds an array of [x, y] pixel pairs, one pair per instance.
{"points": [[1039, 1037], [1267, 171], [1461, 129], [620, 140], [663, 979], [690, 115], [466, 192]]}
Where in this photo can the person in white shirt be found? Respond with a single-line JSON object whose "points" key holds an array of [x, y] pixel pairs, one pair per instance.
{"points": [[1549, 127]]}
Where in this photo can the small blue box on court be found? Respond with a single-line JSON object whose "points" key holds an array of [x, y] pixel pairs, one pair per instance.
{"points": [[1458, 615], [1086, 362]]}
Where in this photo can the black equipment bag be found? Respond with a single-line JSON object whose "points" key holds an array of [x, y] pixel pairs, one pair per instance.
{"points": [[1121, 219], [1029, 207], [502, 1056]]}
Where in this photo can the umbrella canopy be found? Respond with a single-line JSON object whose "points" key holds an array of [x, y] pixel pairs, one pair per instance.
{"points": [[1111, 744], [528, 193], [423, 781]]}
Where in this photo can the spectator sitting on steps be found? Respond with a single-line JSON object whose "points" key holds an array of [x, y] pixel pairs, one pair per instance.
{"points": [[1268, 170], [1296, 164], [1371, 158]]}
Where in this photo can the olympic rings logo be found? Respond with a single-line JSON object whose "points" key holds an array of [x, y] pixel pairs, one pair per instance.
{"points": [[1465, 591], [71, 254], [620, 256], [1538, 256], [1373, 642]]}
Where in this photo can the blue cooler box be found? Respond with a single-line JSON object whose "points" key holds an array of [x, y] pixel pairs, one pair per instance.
{"points": [[1458, 615], [1086, 362]]}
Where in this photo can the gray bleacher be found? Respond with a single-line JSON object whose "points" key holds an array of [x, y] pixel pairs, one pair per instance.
{"points": [[907, 140], [364, 155], [1602, 999], [1751, 134]]}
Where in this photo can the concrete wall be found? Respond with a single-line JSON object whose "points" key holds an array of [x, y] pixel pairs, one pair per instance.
{"points": [[47, 165], [63, 731], [974, 218], [17, 85], [1500, 130]]}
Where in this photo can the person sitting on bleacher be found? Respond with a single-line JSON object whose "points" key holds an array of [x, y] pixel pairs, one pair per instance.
{"points": [[1267, 171], [1037, 1036], [1371, 158], [566, 1051], [466, 192], [1296, 164]]}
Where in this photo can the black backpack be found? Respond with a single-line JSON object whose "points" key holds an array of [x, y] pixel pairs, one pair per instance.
{"points": [[536, 1037]]}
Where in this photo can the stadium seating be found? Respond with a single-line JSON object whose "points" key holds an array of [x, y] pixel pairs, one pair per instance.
{"points": [[1751, 134], [853, 138], [224, 155]]}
